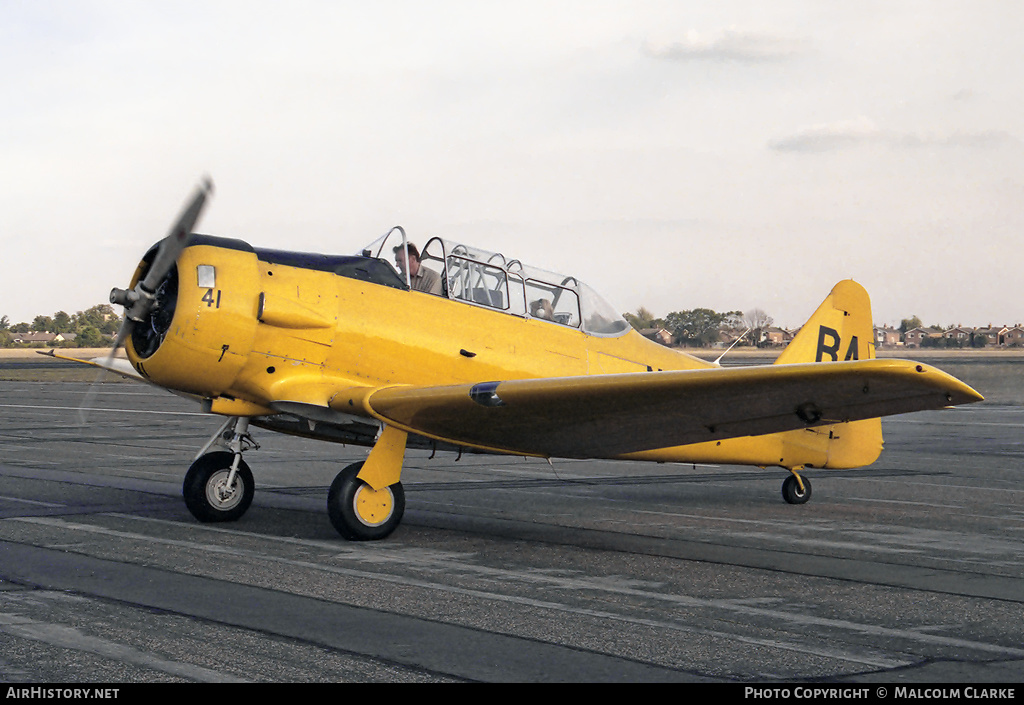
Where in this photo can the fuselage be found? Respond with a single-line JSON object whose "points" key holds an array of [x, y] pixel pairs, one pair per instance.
{"points": [[253, 328], [263, 317]]}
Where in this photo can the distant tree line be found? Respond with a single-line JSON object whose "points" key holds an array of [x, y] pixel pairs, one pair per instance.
{"points": [[89, 329], [702, 327]]}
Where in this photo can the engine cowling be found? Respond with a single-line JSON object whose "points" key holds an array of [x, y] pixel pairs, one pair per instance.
{"points": [[198, 335]]}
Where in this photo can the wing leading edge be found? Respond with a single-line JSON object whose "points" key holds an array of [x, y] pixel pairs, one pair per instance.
{"points": [[610, 415]]}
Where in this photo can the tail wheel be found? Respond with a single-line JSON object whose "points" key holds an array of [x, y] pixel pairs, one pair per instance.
{"points": [[207, 494], [792, 493], [361, 513]]}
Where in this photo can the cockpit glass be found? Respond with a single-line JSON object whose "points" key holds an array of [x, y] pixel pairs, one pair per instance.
{"points": [[553, 303], [600, 318], [477, 282], [491, 280]]}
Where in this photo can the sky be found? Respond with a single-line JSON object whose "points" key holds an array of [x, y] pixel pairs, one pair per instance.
{"points": [[672, 154]]}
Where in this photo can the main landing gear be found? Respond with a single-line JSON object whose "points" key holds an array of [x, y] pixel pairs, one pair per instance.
{"points": [[361, 513], [796, 489], [365, 503]]}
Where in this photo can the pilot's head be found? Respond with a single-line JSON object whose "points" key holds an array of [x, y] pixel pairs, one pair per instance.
{"points": [[414, 258], [541, 308]]}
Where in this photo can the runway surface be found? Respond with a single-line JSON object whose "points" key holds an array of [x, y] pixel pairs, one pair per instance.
{"points": [[504, 569]]}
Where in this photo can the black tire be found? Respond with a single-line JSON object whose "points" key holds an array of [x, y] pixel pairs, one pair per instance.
{"points": [[360, 513], [791, 490], [204, 485]]}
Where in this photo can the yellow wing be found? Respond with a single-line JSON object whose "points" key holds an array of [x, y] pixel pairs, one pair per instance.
{"points": [[609, 415]]}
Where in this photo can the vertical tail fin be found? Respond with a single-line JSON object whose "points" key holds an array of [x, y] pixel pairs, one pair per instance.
{"points": [[841, 329]]}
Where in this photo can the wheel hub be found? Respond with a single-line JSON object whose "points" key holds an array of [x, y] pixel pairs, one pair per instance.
{"points": [[220, 494], [373, 507]]}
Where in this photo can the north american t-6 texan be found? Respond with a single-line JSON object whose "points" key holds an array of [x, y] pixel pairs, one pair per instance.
{"points": [[460, 349]]}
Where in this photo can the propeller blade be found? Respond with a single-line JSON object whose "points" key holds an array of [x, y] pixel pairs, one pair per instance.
{"points": [[178, 237], [138, 301], [122, 333]]}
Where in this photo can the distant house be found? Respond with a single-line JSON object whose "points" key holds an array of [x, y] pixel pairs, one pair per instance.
{"points": [[1014, 337], [777, 337], [33, 337], [915, 337], [993, 335], [728, 336], [658, 335], [886, 337], [962, 336]]}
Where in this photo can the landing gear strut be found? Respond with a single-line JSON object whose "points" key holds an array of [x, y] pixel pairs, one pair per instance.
{"points": [[219, 486]]}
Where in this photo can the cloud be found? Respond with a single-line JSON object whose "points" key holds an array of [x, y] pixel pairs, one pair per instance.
{"points": [[831, 137], [728, 45]]}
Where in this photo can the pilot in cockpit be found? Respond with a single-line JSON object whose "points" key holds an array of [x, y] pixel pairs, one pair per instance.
{"points": [[541, 308], [420, 278]]}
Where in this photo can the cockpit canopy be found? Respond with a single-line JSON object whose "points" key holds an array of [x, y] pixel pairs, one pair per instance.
{"points": [[488, 279]]}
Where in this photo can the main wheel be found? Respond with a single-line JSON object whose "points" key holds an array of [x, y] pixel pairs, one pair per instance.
{"points": [[361, 513], [206, 491], [792, 493]]}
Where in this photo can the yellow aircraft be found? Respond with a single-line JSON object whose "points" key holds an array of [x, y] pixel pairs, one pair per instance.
{"points": [[497, 356]]}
